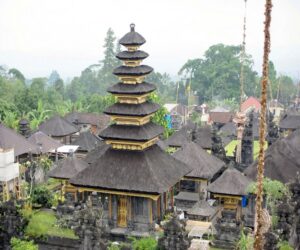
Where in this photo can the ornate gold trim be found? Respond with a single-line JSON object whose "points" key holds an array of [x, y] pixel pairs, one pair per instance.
{"points": [[131, 120], [131, 145]]}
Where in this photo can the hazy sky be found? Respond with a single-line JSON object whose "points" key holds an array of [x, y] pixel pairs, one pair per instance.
{"points": [[38, 36]]}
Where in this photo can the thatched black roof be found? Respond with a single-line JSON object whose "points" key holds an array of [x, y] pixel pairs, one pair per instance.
{"points": [[132, 55], [132, 38], [231, 182], [43, 142], [202, 208], [129, 132], [179, 138], [290, 121], [57, 126], [228, 129], [204, 165], [96, 153], [148, 171], [142, 109], [87, 141], [187, 196], [282, 160], [11, 139], [132, 71], [134, 89], [99, 120], [67, 168], [203, 137]]}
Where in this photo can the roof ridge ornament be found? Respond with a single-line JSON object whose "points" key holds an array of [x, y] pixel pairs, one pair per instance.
{"points": [[132, 26]]}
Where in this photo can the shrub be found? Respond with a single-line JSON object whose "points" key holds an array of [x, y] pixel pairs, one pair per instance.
{"points": [[147, 243], [42, 195], [18, 244]]}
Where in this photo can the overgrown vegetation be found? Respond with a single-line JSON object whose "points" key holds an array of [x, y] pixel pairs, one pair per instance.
{"points": [[43, 223], [18, 244]]}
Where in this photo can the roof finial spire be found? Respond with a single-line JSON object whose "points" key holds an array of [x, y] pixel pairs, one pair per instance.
{"points": [[132, 25]]}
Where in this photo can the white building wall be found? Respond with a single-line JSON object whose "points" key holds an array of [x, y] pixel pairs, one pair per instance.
{"points": [[8, 169]]}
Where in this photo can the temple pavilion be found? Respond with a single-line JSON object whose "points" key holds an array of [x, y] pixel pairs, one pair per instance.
{"points": [[134, 177]]}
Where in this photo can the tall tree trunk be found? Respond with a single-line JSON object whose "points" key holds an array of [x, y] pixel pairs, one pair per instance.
{"points": [[258, 243]]}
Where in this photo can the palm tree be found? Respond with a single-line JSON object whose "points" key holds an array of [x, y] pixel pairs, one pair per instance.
{"points": [[38, 115]]}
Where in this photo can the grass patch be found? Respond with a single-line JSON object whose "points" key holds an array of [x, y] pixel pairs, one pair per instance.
{"points": [[231, 147], [53, 184], [43, 223]]}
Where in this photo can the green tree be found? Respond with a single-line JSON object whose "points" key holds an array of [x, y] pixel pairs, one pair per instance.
{"points": [[38, 115], [218, 73], [17, 74]]}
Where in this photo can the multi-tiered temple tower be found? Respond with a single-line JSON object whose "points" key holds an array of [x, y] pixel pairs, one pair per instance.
{"points": [[134, 177]]}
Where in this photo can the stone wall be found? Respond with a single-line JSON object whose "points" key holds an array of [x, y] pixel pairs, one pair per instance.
{"points": [[57, 243]]}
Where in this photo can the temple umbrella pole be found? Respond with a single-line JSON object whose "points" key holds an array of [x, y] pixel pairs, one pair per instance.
{"points": [[258, 243]]}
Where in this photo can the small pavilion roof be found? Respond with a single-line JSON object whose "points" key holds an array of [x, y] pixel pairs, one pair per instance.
{"points": [[221, 117], [179, 138], [187, 196], [204, 165], [9, 138], [231, 182], [148, 171], [57, 126], [290, 121], [203, 137], [132, 38], [228, 129], [145, 132], [282, 161], [43, 142], [87, 141], [133, 89], [202, 208], [67, 168], [142, 109]]}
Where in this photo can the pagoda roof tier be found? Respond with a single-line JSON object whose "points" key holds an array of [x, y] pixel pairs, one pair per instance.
{"points": [[142, 109], [132, 71], [132, 55], [132, 38], [130, 132], [134, 89], [148, 171]]}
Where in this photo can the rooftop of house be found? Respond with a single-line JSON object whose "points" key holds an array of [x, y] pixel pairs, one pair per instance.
{"points": [[231, 182], [9, 139], [44, 142], [57, 126], [282, 160], [204, 165]]}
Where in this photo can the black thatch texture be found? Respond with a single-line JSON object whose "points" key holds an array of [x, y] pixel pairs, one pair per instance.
{"points": [[67, 168], [99, 120], [202, 208], [203, 137], [43, 142], [282, 160], [179, 138], [132, 38], [187, 196], [11, 139], [132, 55], [231, 182], [221, 117], [135, 133], [148, 171], [96, 153], [134, 89], [87, 141], [142, 109], [204, 165], [228, 129], [290, 121], [132, 71], [57, 126]]}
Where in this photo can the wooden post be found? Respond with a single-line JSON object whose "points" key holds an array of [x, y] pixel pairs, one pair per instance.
{"points": [[150, 211]]}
